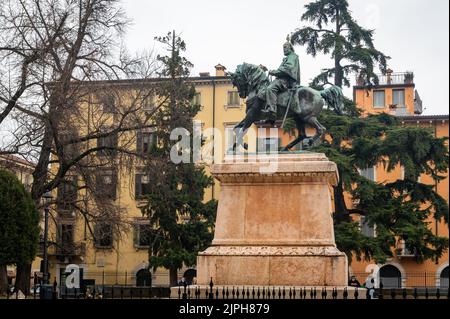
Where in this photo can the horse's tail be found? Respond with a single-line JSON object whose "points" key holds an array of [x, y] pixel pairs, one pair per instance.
{"points": [[334, 98]]}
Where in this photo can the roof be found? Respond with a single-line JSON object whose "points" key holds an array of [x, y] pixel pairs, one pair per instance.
{"points": [[443, 117], [131, 82], [15, 159]]}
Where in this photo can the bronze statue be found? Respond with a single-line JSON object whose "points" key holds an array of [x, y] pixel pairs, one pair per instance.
{"points": [[283, 97], [286, 77]]}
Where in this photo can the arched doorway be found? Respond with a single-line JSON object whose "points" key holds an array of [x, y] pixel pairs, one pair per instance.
{"points": [[143, 278], [390, 277], [444, 278], [189, 275]]}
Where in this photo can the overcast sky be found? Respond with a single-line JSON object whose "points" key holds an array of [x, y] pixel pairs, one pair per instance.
{"points": [[413, 32]]}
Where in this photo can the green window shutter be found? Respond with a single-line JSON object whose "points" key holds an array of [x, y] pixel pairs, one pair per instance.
{"points": [[137, 185], [114, 186], [139, 142], [135, 235]]}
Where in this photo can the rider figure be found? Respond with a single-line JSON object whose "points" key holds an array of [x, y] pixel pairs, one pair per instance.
{"points": [[287, 76]]}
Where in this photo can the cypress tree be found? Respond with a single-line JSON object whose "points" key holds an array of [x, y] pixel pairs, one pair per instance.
{"points": [[181, 222]]}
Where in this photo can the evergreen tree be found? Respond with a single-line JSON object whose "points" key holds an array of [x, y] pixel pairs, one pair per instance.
{"points": [[403, 209], [351, 46], [19, 225], [181, 222]]}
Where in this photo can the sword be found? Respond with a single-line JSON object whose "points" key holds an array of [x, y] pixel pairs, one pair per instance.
{"points": [[288, 106]]}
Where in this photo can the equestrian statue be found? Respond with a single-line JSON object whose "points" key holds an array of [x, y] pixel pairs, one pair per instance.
{"points": [[282, 98]]}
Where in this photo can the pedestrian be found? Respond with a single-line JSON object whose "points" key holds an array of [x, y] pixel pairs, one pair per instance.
{"points": [[353, 282]]}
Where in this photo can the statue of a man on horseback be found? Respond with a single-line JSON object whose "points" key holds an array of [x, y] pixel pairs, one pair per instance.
{"points": [[282, 97], [286, 77]]}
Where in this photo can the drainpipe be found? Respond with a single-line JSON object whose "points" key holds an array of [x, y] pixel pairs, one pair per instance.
{"points": [[436, 229], [214, 126]]}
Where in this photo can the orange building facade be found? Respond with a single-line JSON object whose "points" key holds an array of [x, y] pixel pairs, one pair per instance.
{"points": [[396, 95]]}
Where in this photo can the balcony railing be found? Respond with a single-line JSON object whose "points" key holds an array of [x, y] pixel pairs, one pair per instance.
{"points": [[392, 79], [65, 249]]}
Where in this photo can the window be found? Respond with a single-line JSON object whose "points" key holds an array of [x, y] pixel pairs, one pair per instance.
{"points": [[368, 173], [268, 144], [148, 102], [70, 150], [142, 185], [233, 98], [230, 138], [65, 243], [146, 141], [197, 99], [109, 141], [67, 194], [398, 98], [379, 99], [142, 234], [106, 184], [108, 103], [103, 235], [366, 229]]}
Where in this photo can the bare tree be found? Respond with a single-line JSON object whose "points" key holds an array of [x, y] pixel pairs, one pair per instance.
{"points": [[60, 83]]}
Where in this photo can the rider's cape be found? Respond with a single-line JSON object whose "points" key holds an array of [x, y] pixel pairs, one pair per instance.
{"points": [[291, 67]]}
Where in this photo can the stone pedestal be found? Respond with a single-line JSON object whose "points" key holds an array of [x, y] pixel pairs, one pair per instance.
{"points": [[274, 225]]}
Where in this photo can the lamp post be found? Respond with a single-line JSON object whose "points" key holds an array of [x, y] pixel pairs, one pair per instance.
{"points": [[47, 198]]}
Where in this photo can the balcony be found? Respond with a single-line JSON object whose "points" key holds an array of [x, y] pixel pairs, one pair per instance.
{"points": [[391, 78], [403, 252], [62, 250]]}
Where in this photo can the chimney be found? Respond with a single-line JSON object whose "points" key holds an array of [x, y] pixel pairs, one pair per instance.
{"points": [[204, 74], [220, 70]]}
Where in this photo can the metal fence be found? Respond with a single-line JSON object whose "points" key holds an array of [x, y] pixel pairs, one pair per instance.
{"points": [[409, 281], [122, 285], [268, 292]]}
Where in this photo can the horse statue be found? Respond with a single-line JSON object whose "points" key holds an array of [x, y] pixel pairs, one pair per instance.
{"points": [[301, 103]]}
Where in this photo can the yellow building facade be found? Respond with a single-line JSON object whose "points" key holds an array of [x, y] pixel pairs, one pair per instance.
{"points": [[124, 260]]}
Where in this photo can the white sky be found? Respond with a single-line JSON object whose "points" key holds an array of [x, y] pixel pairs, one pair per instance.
{"points": [[414, 33]]}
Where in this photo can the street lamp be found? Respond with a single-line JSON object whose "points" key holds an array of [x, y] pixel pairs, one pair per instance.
{"points": [[47, 198]]}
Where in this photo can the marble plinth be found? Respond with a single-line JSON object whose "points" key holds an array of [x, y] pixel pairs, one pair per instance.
{"points": [[274, 225]]}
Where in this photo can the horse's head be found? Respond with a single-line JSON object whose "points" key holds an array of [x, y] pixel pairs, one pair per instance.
{"points": [[239, 80]]}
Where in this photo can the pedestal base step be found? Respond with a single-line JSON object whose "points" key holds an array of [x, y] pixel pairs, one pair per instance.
{"points": [[266, 292]]}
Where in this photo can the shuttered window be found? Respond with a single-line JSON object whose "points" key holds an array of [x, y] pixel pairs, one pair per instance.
{"points": [[368, 173], [268, 144], [109, 142], [103, 233], [398, 98], [145, 142], [106, 184], [233, 98], [141, 185], [379, 99], [366, 229]]}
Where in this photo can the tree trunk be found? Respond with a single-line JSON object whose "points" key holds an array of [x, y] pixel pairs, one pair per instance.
{"points": [[41, 170], [340, 208], [173, 274], [23, 278], [338, 75], [3, 280]]}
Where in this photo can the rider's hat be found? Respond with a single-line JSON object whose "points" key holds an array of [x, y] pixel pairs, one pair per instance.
{"points": [[288, 41]]}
